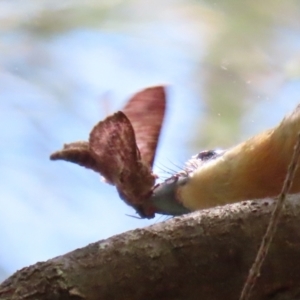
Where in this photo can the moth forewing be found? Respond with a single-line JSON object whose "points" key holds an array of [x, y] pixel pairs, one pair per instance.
{"points": [[78, 153], [146, 110], [112, 144]]}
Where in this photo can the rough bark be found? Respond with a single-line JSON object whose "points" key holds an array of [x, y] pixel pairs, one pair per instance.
{"points": [[203, 255]]}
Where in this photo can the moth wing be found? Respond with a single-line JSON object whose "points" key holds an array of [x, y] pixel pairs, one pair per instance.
{"points": [[78, 153], [146, 111], [112, 144]]}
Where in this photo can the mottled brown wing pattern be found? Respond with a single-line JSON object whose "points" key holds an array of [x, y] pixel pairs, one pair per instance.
{"points": [[122, 148], [146, 110], [112, 144], [78, 153]]}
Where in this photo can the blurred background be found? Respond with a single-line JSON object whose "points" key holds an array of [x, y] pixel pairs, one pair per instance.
{"points": [[232, 70]]}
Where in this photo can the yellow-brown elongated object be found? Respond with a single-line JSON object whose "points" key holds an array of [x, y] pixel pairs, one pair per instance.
{"points": [[254, 169]]}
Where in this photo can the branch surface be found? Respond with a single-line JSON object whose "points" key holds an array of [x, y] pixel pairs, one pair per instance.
{"points": [[203, 255]]}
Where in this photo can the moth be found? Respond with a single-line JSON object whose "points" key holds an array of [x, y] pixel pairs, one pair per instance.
{"points": [[122, 148]]}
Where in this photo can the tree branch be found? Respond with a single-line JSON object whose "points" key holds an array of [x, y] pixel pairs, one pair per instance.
{"points": [[203, 255]]}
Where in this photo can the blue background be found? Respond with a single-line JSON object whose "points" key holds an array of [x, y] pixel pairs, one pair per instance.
{"points": [[231, 67]]}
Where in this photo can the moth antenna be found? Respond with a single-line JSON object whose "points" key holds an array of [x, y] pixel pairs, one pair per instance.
{"points": [[158, 219], [177, 166], [133, 216], [169, 169], [163, 170]]}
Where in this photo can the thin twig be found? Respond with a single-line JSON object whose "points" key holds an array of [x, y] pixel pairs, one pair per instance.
{"points": [[267, 239]]}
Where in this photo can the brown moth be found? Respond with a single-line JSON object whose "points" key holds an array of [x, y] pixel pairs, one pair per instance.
{"points": [[122, 148]]}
